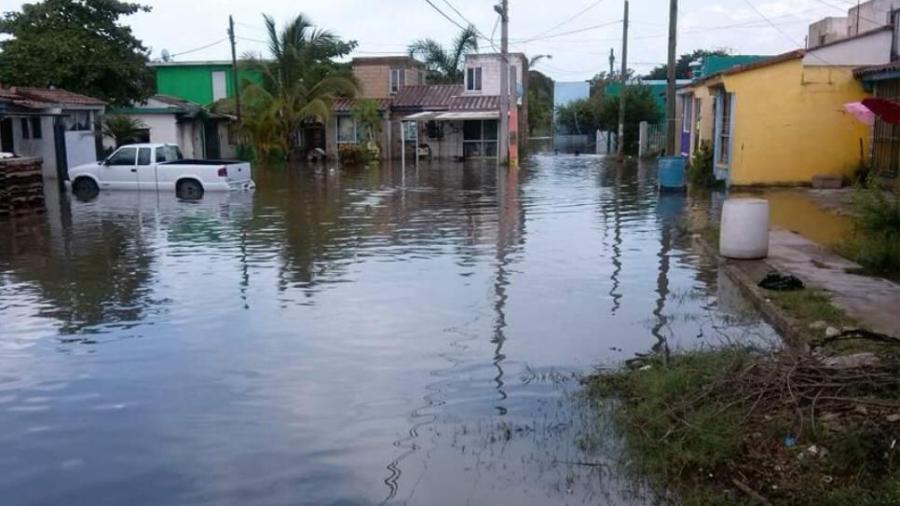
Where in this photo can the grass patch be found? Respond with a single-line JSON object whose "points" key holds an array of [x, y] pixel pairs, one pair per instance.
{"points": [[711, 426], [875, 244], [809, 306]]}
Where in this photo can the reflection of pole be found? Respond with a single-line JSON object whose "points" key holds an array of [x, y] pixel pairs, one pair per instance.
{"points": [[617, 245], [662, 290], [403, 153]]}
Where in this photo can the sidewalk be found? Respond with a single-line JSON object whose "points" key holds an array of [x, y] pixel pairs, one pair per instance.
{"points": [[874, 302]]}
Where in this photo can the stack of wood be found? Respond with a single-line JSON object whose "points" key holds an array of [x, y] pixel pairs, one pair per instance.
{"points": [[21, 186]]}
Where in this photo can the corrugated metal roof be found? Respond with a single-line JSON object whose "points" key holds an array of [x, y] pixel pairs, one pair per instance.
{"points": [[346, 104], [877, 69], [475, 103], [429, 96]]}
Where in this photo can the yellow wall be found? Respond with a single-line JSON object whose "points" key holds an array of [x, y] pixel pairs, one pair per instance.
{"points": [[789, 123]]}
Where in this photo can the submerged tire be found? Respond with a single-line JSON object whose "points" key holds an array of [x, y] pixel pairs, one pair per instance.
{"points": [[189, 189], [85, 188]]}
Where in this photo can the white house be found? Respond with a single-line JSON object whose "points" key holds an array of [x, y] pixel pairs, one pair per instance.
{"points": [[199, 133], [54, 124]]}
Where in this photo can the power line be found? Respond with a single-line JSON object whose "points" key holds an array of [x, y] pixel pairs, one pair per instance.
{"points": [[199, 48], [569, 19], [782, 32], [580, 30]]}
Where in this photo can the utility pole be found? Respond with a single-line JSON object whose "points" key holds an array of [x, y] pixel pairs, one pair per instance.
{"points": [[503, 10], [623, 79], [234, 69], [672, 75], [612, 62]]}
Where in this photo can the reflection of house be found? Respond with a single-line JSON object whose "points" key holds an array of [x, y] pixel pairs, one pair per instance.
{"points": [[782, 120], [199, 133], [54, 124]]}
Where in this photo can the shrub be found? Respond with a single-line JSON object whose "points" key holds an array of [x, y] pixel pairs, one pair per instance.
{"points": [[701, 169], [357, 154], [876, 245]]}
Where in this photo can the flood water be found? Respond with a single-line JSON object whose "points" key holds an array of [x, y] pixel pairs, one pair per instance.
{"points": [[343, 337]]}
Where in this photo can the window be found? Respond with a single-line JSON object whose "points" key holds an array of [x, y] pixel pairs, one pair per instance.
{"points": [[421, 77], [25, 130], [346, 130], [698, 106], [686, 114], [36, 131], [398, 79], [124, 156], [480, 138], [143, 156], [219, 86], [79, 121], [473, 79], [895, 43], [724, 140], [161, 155]]}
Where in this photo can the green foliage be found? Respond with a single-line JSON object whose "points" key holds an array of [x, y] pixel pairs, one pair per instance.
{"points": [[122, 129], [300, 80], [682, 67], [357, 154], [876, 245], [79, 46], [367, 115], [540, 102], [445, 65], [809, 306], [601, 112], [701, 169]]}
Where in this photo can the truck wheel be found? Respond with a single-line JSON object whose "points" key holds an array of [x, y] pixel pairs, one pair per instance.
{"points": [[189, 189], [85, 188]]}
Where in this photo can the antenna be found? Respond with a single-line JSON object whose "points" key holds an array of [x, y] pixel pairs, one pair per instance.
{"points": [[166, 56]]}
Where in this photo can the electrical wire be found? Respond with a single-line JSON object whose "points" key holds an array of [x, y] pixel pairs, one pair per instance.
{"points": [[198, 48], [580, 30], [569, 19]]}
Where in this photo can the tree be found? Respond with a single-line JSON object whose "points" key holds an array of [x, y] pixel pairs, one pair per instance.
{"points": [[77, 45], [683, 66], [540, 102], [122, 129], [445, 64], [299, 82], [367, 115], [601, 112]]}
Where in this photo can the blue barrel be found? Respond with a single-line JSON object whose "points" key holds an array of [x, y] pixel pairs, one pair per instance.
{"points": [[671, 173]]}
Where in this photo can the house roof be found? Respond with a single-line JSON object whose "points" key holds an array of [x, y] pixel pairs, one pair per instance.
{"points": [[346, 104], [428, 96], [790, 55], [877, 69], [475, 103], [57, 96]]}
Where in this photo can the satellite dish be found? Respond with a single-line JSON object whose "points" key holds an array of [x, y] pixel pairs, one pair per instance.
{"points": [[165, 55]]}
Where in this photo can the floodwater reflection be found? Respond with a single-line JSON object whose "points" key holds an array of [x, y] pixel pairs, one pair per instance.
{"points": [[341, 337]]}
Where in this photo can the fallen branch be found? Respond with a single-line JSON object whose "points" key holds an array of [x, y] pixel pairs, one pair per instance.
{"points": [[750, 492]]}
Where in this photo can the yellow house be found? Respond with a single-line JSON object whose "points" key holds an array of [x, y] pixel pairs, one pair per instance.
{"points": [[781, 121]]}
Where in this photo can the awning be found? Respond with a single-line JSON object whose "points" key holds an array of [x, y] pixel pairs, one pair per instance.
{"points": [[860, 112], [462, 115], [422, 116], [887, 110]]}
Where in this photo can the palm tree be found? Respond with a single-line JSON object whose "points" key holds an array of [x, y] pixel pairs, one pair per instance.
{"points": [[445, 64], [122, 129], [299, 83]]}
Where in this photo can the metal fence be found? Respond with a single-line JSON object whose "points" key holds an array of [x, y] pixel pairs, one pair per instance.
{"points": [[651, 139]]}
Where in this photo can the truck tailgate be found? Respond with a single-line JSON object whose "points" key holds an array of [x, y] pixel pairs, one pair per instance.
{"points": [[238, 172]]}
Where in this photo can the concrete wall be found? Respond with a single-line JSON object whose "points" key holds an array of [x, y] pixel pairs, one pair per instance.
{"points": [[789, 124], [706, 119], [871, 15], [81, 148], [375, 79], [42, 148], [826, 30], [872, 49], [490, 72]]}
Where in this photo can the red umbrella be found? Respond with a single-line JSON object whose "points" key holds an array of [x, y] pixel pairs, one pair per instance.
{"points": [[887, 110]]}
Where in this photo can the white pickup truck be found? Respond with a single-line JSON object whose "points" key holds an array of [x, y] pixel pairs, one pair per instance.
{"points": [[159, 167]]}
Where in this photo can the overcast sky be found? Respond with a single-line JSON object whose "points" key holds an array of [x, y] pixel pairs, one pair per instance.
{"points": [[387, 26]]}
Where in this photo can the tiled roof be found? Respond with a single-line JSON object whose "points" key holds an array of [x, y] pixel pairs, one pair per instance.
{"points": [[429, 96], [475, 103], [877, 69], [346, 104], [57, 96]]}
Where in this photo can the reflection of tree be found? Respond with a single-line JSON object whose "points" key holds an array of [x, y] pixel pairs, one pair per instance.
{"points": [[99, 273]]}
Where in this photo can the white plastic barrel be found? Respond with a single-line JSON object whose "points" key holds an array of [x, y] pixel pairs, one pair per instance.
{"points": [[745, 229]]}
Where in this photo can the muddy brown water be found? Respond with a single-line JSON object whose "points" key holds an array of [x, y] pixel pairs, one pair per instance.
{"points": [[343, 337]]}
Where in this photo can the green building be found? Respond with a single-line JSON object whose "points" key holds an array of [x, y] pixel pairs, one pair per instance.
{"points": [[200, 82], [713, 64]]}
